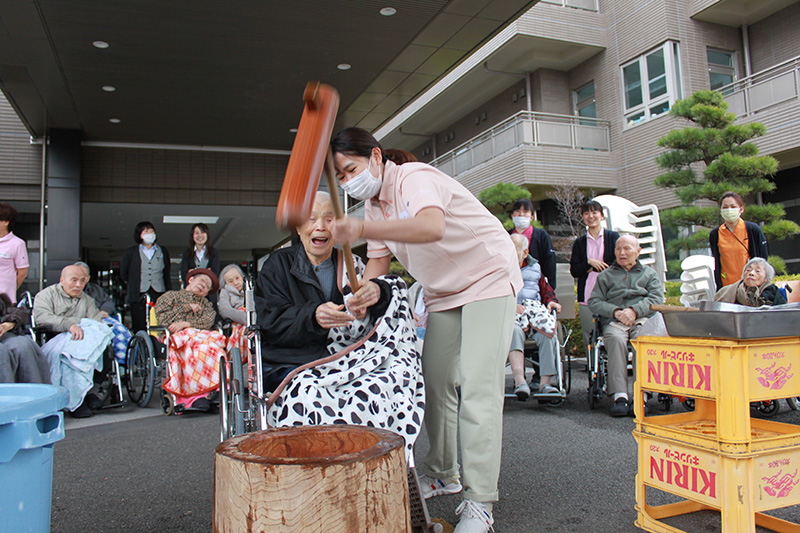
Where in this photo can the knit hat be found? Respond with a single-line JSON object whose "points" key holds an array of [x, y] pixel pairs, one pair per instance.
{"points": [[214, 280]]}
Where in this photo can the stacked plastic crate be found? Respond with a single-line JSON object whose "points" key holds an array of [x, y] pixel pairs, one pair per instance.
{"points": [[716, 457]]}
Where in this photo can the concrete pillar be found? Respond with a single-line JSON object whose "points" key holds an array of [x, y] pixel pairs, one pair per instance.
{"points": [[63, 229]]}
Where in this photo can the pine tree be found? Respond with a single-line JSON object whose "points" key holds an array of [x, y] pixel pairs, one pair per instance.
{"points": [[499, 199], [709, 158]]}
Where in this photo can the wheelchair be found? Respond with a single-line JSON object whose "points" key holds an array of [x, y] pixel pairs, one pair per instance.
{"points": [[563, 368], [598, 364], [107, 382], [147, 363], [244, 403]]}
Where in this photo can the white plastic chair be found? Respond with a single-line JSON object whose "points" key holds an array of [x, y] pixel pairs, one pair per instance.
{"points": [[697, 279]]}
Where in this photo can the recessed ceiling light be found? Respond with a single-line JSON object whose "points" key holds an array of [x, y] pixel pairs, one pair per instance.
{"points": [[109, 88], [176, 219], [343, 66], [114, 120], [100, 44], [388, 11], [293, 130]]}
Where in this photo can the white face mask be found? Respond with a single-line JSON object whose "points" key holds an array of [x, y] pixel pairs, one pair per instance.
{"points": [[729, 214], [363, 186], [149, 238], [521, 223]]}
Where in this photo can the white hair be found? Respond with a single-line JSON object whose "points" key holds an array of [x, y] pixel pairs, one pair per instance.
{"points": [[227, 269], [769, 270]]}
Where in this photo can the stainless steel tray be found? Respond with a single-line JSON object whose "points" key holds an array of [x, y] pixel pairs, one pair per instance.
{"points": [[731, 321]]}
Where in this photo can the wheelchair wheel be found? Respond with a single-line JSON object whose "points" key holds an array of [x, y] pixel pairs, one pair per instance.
{"points": [[140, 362], [688, 404], [768, 407], [794, 403], [225, 401], [239, 394], [167, 403]]}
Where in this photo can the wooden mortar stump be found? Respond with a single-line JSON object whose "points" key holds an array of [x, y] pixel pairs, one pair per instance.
{"points": [[337, 478]]}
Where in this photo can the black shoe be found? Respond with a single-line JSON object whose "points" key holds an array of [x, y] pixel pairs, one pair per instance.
{"points": [[93, 402], [214, 397], [621, 407], [82, 412], [200, 404]]}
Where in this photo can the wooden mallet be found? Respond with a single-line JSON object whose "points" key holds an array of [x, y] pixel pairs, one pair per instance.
{"points": [[311, 154]]}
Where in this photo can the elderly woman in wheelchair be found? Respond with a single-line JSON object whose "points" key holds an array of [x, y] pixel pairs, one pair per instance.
{"points": [[535, 319], [194, 350], [324, 363], [21, 359]]}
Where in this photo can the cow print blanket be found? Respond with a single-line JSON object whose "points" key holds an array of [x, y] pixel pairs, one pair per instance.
{"points": [[373, 377]]}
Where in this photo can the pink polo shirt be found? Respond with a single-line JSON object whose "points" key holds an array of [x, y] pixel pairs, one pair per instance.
{"points": [[13, 256], [475, 260], [594, 250]]}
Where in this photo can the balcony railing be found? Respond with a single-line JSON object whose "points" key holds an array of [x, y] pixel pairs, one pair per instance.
{"points": [[527, 128], [764, 89], [589, 5]]}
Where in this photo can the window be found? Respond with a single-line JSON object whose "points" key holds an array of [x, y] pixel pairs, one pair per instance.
{"points": [[721, 68], [651, 83], [585, 104]]}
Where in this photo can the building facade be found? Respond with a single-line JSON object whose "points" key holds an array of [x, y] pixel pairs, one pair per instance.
{"points": [[579, 91]]}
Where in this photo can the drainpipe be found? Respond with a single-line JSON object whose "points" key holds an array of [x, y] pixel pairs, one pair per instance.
{"points": [[748, 70], [526, 77], [42, 200]]}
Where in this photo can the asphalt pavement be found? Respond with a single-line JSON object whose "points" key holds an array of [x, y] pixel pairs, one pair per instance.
{"points": [[565, 468]]}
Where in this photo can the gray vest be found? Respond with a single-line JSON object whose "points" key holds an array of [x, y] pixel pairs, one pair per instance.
{"points": [[152, 271]]}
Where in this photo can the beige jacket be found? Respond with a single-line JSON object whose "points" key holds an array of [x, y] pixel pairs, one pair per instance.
{"points": [[57, 310]]}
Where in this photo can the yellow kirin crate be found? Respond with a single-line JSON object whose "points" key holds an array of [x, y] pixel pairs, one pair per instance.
{"points": [[740, 486], [724, 376]]}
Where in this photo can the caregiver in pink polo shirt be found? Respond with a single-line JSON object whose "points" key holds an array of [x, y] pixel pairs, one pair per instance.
{"points": [[13, 255], [467, 264]]}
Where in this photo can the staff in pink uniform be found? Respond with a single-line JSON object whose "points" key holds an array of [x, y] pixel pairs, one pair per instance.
{"points": [[13, 255], [467, 264]]}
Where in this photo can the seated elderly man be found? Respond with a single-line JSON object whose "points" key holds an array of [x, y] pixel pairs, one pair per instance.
{"points": [[358, 366], [622, 297], [21, 360], [755, 288], [194, 350], [77, 351]]}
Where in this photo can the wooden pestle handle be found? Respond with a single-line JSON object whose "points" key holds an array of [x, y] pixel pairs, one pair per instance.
{"points": [[330, 176]]}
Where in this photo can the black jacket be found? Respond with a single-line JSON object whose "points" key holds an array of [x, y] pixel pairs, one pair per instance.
{"points": [[541, 249], [756, 247], [579, 262], [189, 261], [131, 270], [287, 295]]}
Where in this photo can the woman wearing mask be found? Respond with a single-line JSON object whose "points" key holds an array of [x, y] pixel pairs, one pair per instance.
{"points": [[459, 252], [735, 241], [145, 267], [540, 245], [200, 254]]}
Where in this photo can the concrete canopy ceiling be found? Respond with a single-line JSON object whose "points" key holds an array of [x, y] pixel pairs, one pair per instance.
{"points": [[227, 73]]}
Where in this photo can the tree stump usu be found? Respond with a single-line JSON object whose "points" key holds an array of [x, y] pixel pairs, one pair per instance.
{"points": [[336, 478]]}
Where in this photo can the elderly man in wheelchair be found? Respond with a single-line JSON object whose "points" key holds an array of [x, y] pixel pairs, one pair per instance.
{"points": [[324, 363], [194, 349], [77, 351], [622, 297]]}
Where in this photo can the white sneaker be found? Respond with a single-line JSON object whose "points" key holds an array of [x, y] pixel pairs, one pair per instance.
{"points": [[475, 518], [523, 391], [431, 486]]}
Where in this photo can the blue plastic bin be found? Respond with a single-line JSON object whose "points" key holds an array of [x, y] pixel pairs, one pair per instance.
{"points": [[30, 423]]}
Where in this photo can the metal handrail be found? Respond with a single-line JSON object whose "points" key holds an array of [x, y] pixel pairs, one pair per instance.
{"points": [[740, 90], [534, 136]]}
